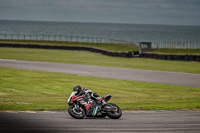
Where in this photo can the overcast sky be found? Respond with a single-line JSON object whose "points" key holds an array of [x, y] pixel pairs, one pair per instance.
{"points": [[176, 12]]}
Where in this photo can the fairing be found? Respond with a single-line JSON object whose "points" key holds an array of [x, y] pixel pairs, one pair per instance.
{"points": [[72, 94]]}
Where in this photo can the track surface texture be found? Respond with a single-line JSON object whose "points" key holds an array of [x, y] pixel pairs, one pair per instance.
{"points": [[136, 121], [171, 78]]}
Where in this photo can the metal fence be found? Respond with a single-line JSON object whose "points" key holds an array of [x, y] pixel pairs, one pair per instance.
{"points": [[177, 45], [63, 38]]}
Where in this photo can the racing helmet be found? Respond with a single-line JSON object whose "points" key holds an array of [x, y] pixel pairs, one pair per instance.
{"points": [[77, 88]]}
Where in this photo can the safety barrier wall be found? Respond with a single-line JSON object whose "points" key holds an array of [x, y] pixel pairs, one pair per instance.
{"points": [[104, 52], [109, 53], [171, 57]]}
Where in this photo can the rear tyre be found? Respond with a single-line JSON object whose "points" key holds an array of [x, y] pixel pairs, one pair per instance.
{"points": [[77, 113], [116, 113]]}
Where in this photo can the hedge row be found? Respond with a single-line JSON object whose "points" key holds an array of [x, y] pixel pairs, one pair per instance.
{"points": [[104, 52], [171, 57]]}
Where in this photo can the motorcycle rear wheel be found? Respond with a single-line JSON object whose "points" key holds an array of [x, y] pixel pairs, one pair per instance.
{"points": [[76, 113], [115, 114]]}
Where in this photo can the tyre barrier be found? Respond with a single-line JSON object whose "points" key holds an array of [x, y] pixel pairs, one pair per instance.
{"points": [[108, 53], [104, 52], [171, 57]]}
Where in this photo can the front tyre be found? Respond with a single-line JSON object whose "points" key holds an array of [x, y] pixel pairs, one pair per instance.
{"points": [[77, 113], [116, 113]]}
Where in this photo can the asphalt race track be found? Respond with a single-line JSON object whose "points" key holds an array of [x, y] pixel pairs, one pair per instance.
{"points": [[136, 121], [172, 78]]}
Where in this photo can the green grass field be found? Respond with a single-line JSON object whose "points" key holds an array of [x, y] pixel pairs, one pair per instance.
{"points": [[104, 46], [89, 58], [34, 90]]}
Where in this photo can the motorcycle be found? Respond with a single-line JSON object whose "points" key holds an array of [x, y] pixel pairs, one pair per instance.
{"points": [[81, 106]]}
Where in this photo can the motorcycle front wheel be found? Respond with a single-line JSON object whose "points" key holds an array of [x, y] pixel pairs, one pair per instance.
{"points": [[77, 113], [116, 113]]}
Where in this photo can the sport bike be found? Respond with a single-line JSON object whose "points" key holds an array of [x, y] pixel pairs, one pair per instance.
{"points": [[81, 106]]}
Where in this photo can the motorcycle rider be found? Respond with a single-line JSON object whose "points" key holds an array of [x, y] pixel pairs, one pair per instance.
{"points": [[88, 93]]}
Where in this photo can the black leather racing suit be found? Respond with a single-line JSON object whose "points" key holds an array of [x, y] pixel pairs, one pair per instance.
{"points": [[90, 94]]}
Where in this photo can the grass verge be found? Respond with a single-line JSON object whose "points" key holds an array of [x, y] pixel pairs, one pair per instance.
{"points": [[178, 51], [34, 90], [104, 46], [88, 58]]}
